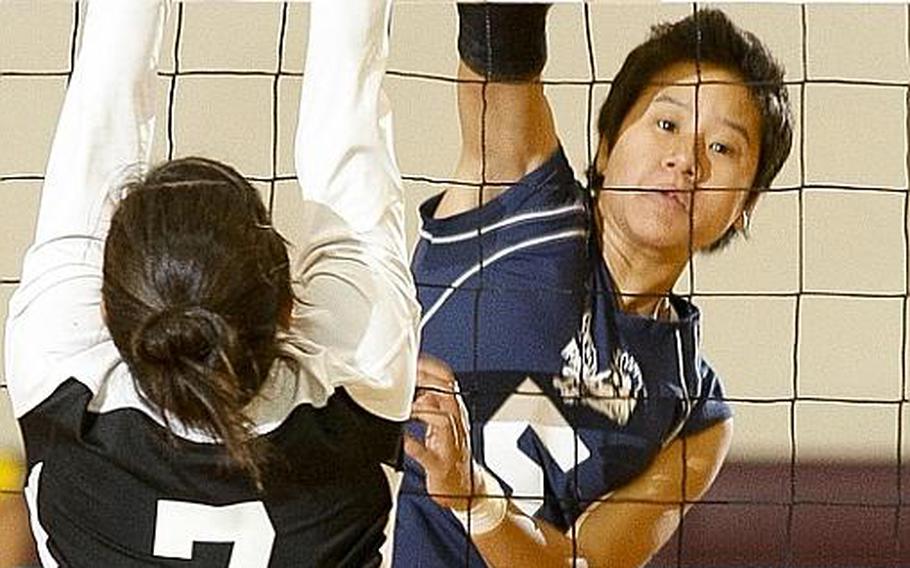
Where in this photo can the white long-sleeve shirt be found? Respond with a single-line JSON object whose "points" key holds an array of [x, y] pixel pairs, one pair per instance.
{"points": [[103, 490]]}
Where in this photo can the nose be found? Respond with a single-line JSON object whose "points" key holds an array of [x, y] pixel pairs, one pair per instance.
{"points": [[682, 157]]}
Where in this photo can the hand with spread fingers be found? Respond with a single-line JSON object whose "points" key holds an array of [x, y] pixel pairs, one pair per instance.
{"points": [[444, 453]]}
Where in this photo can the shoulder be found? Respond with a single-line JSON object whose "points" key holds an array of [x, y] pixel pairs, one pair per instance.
{"points": [[547, 196]]}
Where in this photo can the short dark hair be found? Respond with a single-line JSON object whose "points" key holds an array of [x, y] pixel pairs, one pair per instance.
{"points": [[707, 36], [196, 282]]}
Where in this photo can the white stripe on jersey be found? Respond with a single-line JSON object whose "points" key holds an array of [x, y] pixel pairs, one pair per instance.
{"points": [[490, 260], [687, 401], [472, 234], [31, 497], [696, 361], [386, 550]]}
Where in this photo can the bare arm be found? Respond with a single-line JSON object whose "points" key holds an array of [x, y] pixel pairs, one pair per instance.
{"points": [[623, 530], [507, 131], [626, 529]]}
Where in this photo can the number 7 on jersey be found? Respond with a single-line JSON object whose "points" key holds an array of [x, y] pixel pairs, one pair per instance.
{"points": [[180, 524]]}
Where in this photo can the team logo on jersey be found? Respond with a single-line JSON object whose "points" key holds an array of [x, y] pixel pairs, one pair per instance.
{"points": [[614, 391]]}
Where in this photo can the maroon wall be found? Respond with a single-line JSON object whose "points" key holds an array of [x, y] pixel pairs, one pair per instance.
{"points": [[825, 514]]}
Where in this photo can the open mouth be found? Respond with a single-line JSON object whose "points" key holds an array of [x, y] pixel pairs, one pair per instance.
{"points": [[674, 197]]}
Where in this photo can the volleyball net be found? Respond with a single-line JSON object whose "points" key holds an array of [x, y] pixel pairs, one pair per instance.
{"points": [[806, 321]]}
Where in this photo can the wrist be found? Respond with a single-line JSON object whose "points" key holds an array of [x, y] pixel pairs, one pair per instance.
{"points": [[473, 486], [503, 42], [487, 507]]}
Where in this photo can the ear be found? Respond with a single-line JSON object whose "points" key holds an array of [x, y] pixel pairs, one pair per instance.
{"points": [[744, 220], [602, 157]]}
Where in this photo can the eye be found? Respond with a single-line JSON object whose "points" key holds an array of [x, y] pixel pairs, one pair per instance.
{"points": [[720, 148], [664, 124]]}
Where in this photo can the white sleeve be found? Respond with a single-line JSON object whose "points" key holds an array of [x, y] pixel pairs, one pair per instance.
{"points": [[359, 305], [54, 328]]}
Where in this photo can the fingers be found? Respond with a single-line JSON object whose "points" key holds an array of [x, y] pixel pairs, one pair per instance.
{"points": [[433, 399], [433, 365], [440, 448], [443, 432], [433, 417], [429, 400], [426, 458], [432, 372], [442, 486], [438, 392]]}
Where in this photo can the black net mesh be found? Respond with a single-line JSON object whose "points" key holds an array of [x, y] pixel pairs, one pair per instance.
{"points": [[797, 510]]}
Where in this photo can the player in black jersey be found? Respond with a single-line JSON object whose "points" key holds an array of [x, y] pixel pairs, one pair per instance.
{"points": [[583, 382], [178, 407]]}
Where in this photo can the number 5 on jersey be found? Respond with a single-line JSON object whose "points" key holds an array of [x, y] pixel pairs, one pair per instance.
{"points": [[529, 409]]}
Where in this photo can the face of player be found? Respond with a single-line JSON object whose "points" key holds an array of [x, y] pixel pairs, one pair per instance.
{"points": [[687, 160]]}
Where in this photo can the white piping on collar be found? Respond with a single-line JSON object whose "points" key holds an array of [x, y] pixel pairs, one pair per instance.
{"points": [[474, 233], [499, 255]]}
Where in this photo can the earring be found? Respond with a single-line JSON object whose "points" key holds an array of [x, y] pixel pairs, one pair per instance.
{"points": [[747, 222]]}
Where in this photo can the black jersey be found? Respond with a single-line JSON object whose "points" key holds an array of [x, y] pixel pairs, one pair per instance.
{"points": [[114, 489], [110, 482]]}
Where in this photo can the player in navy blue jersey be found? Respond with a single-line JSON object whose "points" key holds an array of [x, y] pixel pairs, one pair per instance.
{"points": [[586, 419], [178, 407]]}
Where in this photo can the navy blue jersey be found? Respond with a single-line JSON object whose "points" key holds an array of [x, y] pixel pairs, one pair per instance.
{"points": [[569, 398]]}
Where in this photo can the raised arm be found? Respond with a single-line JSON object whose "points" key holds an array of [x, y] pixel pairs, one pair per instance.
{"points": [[107, 120], [105, 129], [507, 127], [353, 276]]}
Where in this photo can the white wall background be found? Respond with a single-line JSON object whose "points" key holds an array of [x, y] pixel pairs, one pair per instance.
{"points": [[852, 239]]}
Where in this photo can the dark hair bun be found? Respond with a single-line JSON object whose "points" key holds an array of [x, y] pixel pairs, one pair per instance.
{"points": [[193, 292], [179, 335]]}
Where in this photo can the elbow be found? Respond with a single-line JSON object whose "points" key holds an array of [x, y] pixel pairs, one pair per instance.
{"points": [[705, 459]]}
